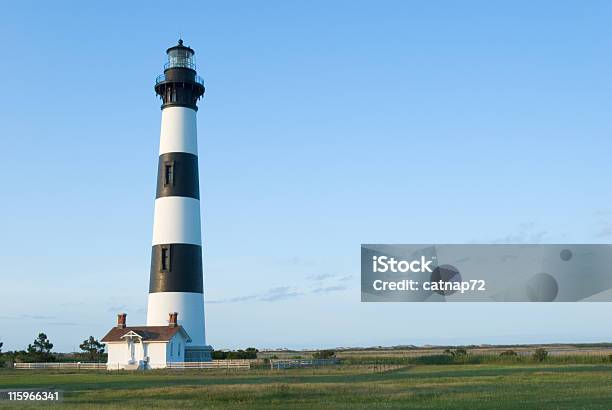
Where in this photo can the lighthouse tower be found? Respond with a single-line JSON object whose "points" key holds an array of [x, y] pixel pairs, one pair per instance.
{"points": [[176, 281]]}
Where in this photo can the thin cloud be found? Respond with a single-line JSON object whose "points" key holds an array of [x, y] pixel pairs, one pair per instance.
{"points": [[271, 295], [603, 212], [527, 234], [234, 300], [321, 277], [280, 293], [330, 289], [605, 231], [25, 316], [65, 324], [287, 292]]}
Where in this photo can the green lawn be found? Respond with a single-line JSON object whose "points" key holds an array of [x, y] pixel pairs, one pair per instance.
{"points": [[452, 386]]}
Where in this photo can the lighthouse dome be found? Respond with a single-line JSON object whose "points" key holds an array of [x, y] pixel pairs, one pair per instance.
{"points": [[180, 56]]}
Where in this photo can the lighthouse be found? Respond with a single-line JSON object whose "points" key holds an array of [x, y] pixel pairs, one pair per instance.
{"points": [[176, 279]]}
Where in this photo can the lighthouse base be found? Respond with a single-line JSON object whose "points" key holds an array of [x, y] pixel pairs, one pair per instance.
{"points": [[198, 353]]}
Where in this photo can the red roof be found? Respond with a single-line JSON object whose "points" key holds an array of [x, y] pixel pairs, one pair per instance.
{"points": [[148, 333]]}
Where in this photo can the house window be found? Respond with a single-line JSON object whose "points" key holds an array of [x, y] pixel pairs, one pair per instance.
{"points": [[168, 173], [171, 348], [179, 349], [165, 259]]}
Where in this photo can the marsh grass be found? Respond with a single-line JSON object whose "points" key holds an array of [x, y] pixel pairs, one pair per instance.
{"points": [[447, 359], [474, 386]]}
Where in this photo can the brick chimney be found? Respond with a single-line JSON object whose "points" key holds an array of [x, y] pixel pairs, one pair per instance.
{"points": [[173, 321], [121, 320]]}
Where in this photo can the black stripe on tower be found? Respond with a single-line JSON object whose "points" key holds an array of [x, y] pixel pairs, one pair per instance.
{"points": [[180, 88], [177, 175], [176, 267]]}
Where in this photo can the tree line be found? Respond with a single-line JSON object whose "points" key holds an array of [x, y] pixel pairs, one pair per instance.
{"points": [[248, 353], [40, 350]]}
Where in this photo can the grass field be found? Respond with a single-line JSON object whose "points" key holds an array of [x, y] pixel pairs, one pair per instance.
{"points": [[450, 386]]}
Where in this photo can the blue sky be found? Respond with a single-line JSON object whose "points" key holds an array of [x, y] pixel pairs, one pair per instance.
{"points": [[324, 125]]}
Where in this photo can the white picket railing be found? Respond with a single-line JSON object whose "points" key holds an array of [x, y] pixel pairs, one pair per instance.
{"points": [[84, 366], [214, 364]]}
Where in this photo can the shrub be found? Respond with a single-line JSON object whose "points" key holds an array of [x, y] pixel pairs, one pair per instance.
{"points": [[324, 354], [434, 359], [460, 352], [540, 354], [458, 355], [249, 353], [508, 353]]}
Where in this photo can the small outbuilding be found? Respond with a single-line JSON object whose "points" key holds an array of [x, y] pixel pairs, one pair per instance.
{"points": [[145, 347]]}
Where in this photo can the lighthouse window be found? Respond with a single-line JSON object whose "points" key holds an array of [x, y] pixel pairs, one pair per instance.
{"points": [[169, 173], [165, 259]]}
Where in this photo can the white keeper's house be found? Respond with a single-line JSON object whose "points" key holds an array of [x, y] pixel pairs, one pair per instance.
{"points": [[145, 347]]}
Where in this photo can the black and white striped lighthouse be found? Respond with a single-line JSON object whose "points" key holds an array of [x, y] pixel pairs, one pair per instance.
{"points": [[176, 281]]}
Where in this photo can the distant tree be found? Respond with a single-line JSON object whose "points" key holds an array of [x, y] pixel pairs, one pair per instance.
{"points": [[540, 354], [41, 348], [249, 353], [324, 354], [509, 353], [1, 344], [457, 353], [460, 352], [92, 348]]}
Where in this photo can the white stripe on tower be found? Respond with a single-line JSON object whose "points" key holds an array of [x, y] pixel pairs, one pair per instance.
{"points": [[178, 130], [176, 281], [177, 220]]}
